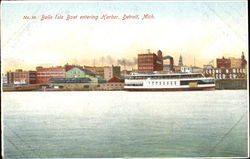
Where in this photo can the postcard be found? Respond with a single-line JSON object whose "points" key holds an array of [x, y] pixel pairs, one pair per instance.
{"points": [[124, 79]]}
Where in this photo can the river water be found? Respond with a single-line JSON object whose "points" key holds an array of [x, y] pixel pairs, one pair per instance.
{"points": [[125, 124]]}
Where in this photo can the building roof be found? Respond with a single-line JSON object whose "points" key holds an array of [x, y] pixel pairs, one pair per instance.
{"points": [[70, 80], [88, 72], [115, 80]]}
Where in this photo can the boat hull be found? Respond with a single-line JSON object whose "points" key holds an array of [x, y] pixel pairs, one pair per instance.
{"points": [[171, 89]]}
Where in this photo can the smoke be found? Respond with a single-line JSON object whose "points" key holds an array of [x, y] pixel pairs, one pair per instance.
{"points": [[106, 61], [103, 61], [110, 60], [127, 62]]}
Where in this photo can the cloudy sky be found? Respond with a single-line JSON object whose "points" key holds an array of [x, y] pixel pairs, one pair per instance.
{"points": [[199, 31]]}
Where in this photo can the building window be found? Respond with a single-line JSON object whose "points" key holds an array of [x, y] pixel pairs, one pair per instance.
{"points": [[224, 76]]}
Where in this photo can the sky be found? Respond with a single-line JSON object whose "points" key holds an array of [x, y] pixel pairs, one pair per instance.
{"points": [[199, 31]]}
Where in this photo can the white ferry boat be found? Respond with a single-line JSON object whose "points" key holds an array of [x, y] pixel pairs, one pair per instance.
{"points": [[168, 82]]}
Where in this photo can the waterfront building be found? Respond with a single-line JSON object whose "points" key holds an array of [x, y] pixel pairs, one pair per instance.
{"points": [[21, 77], [45, 74], [235, 62], [72, 84], [191, 69], [96, 70], [112, 71], [223, 73], [113, 84], [223, 63], [208, 66], [196, 69], [10, 77], [4, 79], [150, 62], [81, 73], [186, 69], [177, 68], [232, 62], [231, 68]]}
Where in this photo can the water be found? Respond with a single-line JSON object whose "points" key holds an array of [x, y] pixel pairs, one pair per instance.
{"points": [[125, 124]]}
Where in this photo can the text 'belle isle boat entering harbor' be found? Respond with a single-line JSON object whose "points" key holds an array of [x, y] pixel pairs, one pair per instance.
{"points": [[168, 82]]}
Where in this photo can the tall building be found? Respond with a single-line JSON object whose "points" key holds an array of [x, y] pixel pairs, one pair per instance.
{"points": [[232, 62], [111, 71], [235, 62], [45, 74], [150, 62], [180, 61], [223, 63], [21, 77], [10, 77]]}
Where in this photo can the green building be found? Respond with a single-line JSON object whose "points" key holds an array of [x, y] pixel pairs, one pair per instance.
{"points": [[79, 73]]}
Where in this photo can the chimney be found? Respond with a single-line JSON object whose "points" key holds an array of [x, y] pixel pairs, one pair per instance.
{"points": [[159, 53]]}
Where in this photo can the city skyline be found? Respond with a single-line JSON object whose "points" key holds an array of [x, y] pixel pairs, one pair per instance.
{"points": [[199, 31]]}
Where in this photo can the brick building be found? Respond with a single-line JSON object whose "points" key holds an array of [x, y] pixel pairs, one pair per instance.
{"points": [[150, 62], [223, 63], [231, 62], [45, 74], [21, 77]]}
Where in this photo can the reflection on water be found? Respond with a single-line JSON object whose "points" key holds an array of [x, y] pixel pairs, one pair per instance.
{"points": [[125, 124]]}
